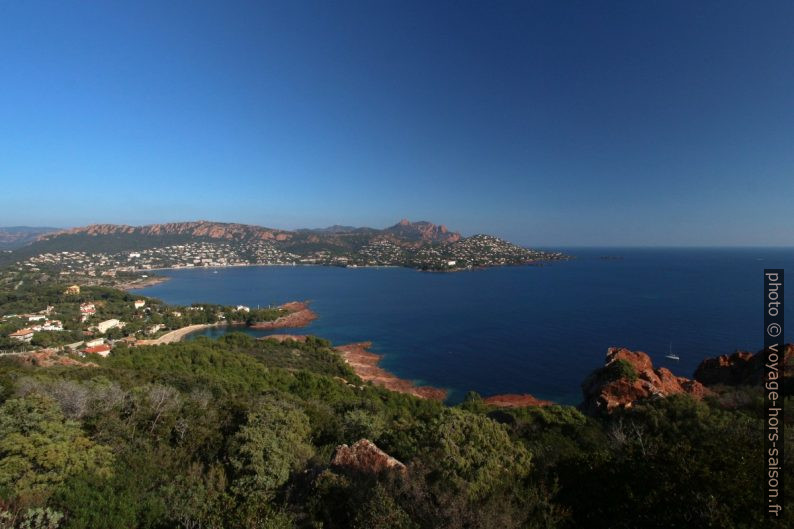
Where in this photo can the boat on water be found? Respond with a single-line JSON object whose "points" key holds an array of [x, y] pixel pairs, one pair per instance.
{"points": [[671, 355]]}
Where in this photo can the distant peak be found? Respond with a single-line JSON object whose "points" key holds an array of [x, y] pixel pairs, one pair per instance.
{"points": [[405, 222]]}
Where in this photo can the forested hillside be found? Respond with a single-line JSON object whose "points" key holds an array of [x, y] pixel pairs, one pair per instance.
{"points": [[240, 433]]}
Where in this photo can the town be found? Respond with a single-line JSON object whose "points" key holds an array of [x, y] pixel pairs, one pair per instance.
{"points": [[471, 252], [37, 314]]}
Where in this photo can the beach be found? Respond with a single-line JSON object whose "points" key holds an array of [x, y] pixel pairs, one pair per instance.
{"points": [[177, 334]]}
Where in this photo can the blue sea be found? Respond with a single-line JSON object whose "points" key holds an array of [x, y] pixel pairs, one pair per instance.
{"points": [[527, 329]]}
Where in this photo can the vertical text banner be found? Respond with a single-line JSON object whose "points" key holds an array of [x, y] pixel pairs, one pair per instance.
{"points": [[773, 378]]}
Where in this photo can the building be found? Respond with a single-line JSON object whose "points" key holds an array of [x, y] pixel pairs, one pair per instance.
{"points": [[87, 308], [95, 342], [72, 290], [105, 326], [23, 335], [139, 303], [101, 350], [243, 308], [154, 328], [52, 325]]}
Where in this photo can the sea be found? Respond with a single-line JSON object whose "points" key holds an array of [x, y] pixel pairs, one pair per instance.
{"points": [[537, 329]]}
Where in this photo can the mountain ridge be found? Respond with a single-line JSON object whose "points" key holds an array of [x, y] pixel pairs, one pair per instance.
{"points": [[422, 230], [421, 244]]}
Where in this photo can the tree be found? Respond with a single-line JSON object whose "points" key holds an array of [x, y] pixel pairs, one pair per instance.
{"points": [[474, 454], [273, 442], [39, 449]]}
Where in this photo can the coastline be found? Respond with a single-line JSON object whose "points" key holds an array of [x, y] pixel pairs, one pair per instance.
{"points": [[365, 364], [143, 283], [154, 280], [299, 315], [178, 334]]}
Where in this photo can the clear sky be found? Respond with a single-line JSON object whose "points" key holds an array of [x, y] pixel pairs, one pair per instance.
{"points": [[549, 123]]}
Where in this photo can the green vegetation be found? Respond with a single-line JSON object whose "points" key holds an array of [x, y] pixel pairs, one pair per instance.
{"points": [[237, 432], [240, 433], [23, 294]]}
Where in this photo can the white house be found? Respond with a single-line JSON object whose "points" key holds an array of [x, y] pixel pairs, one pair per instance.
{"points": [[139, 303], [23, 335], [105, 326]]}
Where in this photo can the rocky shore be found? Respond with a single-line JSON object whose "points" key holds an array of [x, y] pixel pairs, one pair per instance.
{"points": [[365, 364], [299, 315], [145, 282]]}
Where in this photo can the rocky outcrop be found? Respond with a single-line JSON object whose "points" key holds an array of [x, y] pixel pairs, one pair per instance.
{"points": [[516, 401], [741, 368], [365, 365], [629, 377], [422, 231], [404, 231], [363, 456], [298, 315], [211, 230]]}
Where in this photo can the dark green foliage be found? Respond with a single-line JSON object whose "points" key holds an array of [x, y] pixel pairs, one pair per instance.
{"points": [[239, 433], [621, 369]]}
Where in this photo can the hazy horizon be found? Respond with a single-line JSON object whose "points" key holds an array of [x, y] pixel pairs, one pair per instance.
{"points": [[545, 123]]}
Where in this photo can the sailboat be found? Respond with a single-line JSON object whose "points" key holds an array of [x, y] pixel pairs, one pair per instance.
{"points": [[671, 355]]}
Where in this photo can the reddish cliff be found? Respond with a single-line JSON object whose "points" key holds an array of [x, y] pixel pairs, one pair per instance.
{"points": [[741, 368], [422, 231], [212, 230], [628, 377]]}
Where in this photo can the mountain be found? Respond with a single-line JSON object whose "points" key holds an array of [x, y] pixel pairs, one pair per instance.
{"points": [[204, 243], [422, 231], [16, 236]]}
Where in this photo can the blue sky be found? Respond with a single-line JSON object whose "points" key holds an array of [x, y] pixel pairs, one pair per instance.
{"points": [[549, 123]]}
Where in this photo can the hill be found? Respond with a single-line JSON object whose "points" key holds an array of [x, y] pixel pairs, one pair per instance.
{"points": [[17, 236], [110, 247]]}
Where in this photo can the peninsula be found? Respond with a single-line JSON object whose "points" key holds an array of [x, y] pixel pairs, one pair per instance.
{"points": [[120, 255]]}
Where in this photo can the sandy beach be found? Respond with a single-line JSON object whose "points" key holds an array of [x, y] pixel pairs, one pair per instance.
{"points": [[177, 334]]}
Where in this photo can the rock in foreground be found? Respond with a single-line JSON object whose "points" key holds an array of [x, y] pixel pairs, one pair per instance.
{"points": [[363, 456], [628, 377]]}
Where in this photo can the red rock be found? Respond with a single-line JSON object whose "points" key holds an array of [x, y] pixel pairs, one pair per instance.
{"points": [[365, 457], [516, 401], [299, 315], [741, 368], [604, 393]]}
